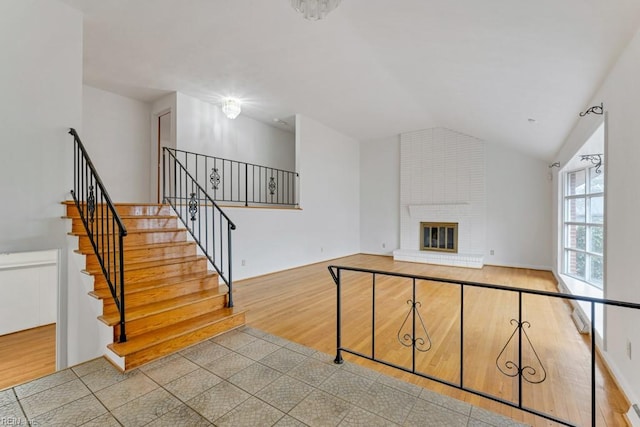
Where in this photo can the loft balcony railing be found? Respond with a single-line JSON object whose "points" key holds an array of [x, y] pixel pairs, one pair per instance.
{"points": [[444, 337], [104, 227], [235, 182]]}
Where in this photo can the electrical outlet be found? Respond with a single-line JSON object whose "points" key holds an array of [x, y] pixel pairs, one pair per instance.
{"points": [[244, 262], [629, 349], [492, 252], [384, 245], [321, 249]]}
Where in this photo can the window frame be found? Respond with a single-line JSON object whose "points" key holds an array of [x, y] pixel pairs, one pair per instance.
{"points": [[588, 224]]}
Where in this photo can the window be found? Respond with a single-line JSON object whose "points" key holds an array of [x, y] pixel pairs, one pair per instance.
{"points": [[583, 248]]}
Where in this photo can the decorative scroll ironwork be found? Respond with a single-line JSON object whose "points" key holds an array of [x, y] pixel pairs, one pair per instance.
{"points": [[407, 339], [214, 178], [193, 206], [596, 109], [595, 159], [272, 186], [91, 203], [511, 369]]}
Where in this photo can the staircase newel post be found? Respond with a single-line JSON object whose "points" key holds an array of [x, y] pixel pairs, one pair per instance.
{"points": [[123, 333], [230, 227], [338, 360]]}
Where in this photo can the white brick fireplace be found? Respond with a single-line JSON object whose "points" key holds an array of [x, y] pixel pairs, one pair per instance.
{"points": [[442, 180]]}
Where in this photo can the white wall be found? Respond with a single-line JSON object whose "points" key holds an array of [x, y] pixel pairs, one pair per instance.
{"points": [[328, 224], [518, 209], [116, 134], [518, 206], [203, 128], [380, 196], [41, 87], [620, 93]]}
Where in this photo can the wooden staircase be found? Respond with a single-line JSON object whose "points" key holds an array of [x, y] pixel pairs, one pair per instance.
{"points": [[171, 299]]}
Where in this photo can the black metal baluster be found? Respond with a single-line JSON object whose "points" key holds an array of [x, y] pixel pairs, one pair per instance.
{"points": [[214, 235], [520, 349], [123, 332], [203, 205], [206, 227], [246, 184], [221, 243], [461, 335], [107, 262], [338, 280], [413, 328], [373, 316], [175, 182]]}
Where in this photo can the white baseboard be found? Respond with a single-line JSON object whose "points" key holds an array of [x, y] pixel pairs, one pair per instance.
{"points": [[633, 416]]}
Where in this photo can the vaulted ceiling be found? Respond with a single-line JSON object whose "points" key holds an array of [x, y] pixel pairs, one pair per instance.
{"points": [[371, 68]]}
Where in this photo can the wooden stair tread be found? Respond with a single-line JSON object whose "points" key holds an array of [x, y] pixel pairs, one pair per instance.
{"points": [[140, 265], [143, 247], [159, 336], [139, 230], [97, 217], [71, 202], [152, 284], [161, 306]]}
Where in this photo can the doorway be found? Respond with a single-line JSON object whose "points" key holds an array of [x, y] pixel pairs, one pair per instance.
{"points": [[164, 139]]}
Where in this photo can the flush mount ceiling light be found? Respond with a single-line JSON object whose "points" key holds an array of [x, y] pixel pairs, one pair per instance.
{"points": [[231, 107], [314, 10]]}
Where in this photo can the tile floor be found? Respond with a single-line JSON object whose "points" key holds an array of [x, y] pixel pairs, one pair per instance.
{"points": [[242, 378]]}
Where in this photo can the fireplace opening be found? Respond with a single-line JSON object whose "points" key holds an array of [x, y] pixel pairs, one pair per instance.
{"points": [[439, 236]]}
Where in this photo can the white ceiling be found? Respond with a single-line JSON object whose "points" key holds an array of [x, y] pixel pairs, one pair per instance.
{"points": [[372, 68]]}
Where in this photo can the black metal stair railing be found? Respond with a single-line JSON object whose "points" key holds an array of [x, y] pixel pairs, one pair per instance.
{"points": [[517, 359], [104, 226], [240, 182], [209, 226]]}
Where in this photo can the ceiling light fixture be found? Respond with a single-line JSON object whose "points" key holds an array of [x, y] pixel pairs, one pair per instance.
{"points": [[231, 108], [314, 10]]}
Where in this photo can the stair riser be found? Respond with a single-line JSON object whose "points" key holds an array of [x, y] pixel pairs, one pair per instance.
{"points": [[161, 293], [131, 224], [139, 239], [168, 270], [125, 210], [151, 254], [152, 353], [176, 315]]}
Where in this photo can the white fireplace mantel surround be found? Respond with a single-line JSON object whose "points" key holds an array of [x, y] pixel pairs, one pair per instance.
{"points": [[458, 212], [442, 180]]}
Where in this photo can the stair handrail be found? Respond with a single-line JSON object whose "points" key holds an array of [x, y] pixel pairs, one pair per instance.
{"points": [[103, 224], [172, 167], [263, 185]]}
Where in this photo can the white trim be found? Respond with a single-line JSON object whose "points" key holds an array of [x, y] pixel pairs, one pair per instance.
{"points": [[440, 258]]}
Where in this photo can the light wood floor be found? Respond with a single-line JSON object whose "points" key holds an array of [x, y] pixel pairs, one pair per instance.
{"points": [[300, 305], [27, 355]]}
